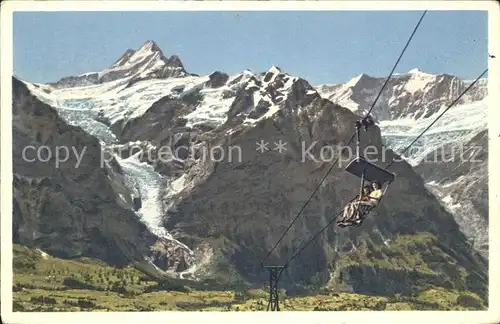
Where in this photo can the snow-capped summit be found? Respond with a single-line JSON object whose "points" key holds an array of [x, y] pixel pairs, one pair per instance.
{"points": [[414, 71], [274, 69], [131, 56], [354, 81], [414, 95], [149, 46], [145, 63]]}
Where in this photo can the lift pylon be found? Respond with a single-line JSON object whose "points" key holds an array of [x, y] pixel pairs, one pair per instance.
{"points": [[274, 276]]}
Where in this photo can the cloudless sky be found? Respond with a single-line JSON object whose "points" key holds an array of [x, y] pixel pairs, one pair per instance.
{"points": [[320, 46]]}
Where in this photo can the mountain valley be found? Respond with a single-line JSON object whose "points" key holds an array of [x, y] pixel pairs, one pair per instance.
{"points": [[171, 183]]}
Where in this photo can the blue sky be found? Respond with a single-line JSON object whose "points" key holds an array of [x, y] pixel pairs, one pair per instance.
{"points": [[320, 46]]}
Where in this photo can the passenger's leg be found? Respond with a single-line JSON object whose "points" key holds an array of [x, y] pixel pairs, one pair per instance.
{"points": [[354, 211], [345, 214], [348, 209]]}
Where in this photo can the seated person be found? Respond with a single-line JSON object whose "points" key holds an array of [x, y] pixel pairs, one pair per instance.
{"points": [[368, 204], [375, 195], [350, 208]]}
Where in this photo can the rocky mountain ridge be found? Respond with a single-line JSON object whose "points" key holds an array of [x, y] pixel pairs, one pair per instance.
{"points": [[77, 207], [414, 95], [148, 62]]}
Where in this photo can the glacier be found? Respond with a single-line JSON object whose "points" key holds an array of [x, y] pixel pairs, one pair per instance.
{"points": [[83, 107], [458, 125]]}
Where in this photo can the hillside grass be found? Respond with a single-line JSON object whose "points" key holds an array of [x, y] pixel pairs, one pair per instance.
{"points": [[45, 283], [407, 265]]}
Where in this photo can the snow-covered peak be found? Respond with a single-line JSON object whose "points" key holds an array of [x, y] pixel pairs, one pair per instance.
{"points": [[274, 69], [147, 62], [354, 81], [413, 95], [131, 57], [149, 46], [418, 81], [273, 91], [124, 58]]}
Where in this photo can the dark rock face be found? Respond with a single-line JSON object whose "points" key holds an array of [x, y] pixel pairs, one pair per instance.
{"points": [[302, 94], [70, 210], [217, 80], [137, 203], [77, 81], [260, 110], [164, 116], [242, 103], [163, 126], [80, 207]]}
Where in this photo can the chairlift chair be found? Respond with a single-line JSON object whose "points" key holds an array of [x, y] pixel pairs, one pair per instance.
{"points": [[367, 171]]}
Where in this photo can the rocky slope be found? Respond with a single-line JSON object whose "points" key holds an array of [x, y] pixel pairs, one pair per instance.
{"points": [[78, 207], [230, 207]]}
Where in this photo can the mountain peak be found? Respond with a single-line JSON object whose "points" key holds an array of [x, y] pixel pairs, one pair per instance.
{"points": [[124, 58], [149, 43], [147, 62], [274, 69], [175, 61], [150, 46], [354, 81], [415, 71], [130, 57]]}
